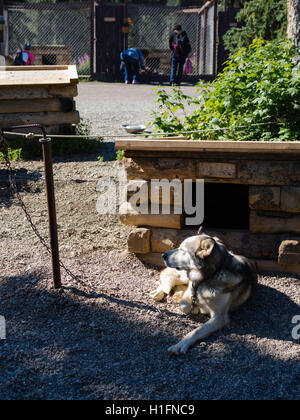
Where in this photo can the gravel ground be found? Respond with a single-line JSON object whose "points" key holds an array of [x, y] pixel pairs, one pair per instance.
{"points": [[109, 105], [102, 337]]}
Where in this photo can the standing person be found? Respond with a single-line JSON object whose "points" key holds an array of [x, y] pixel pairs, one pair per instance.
{"points": [[28, 56], [180, 46], [24, 57], [131, 61]]}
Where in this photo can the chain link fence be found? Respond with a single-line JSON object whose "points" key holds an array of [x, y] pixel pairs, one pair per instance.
{"points": [[151, 27], [59, 33]]}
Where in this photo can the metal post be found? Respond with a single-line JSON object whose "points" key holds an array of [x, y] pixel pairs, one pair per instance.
{"points": [[215, 6], [1, 30], [48, 166], [205, 41], [92, 37], [125, 21]]}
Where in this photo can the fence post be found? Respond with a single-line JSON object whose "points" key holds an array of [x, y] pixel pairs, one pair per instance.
{"points": [[47, 157], [92, 37]]}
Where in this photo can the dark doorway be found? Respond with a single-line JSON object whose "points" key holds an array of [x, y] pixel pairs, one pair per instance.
{"points": [[109, 41], [226, 206]]}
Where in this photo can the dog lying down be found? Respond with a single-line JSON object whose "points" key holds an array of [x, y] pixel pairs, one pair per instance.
{"points": [[205, 278]]}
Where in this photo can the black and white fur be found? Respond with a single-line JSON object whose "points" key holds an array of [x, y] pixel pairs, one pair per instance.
{"points": [[217, 281]]}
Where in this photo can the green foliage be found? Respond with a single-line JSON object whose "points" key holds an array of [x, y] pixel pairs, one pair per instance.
{"points": [[100, 158], [263, 19], [13, 154], [257, 97], [120, 155]]}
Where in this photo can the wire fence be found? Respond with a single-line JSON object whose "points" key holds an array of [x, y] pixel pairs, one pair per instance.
{"points": [[59, 33], [152, 25]]}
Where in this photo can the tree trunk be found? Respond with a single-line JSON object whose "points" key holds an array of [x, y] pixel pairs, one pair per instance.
{"points": [[293, 31]]}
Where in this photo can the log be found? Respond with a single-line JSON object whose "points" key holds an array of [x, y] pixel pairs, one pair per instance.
{"points": [[130, 217], [274, 223], [239, 241], [263, 172], [37, 92], [43, 118], [37, 105], [160, 168], [264, 198]]}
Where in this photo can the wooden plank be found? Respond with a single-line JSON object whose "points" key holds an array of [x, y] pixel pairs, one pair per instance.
{"points": [[32, 78], [40, 105], [37, 92], [33, 68], [178, 144], [43, 118], [73, 75]]}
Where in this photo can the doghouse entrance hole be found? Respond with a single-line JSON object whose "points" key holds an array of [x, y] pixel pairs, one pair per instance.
{"points": [[226, 206]]}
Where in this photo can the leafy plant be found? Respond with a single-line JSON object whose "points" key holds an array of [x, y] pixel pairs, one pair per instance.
{"points": [[257, 97], [120, 155], [13, 154]]}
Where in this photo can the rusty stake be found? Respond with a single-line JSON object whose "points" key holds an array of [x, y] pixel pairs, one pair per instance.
{"points": [[48, 167]]}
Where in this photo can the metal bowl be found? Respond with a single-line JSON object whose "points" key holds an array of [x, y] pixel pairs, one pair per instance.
{"points": [[134, 128]]}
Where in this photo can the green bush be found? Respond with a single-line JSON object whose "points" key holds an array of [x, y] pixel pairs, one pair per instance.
{"points": [[13, 154], [257, 97], [262, 19]]}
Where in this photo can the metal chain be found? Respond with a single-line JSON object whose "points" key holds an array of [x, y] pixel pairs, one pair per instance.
{"points": [[14, 190]]}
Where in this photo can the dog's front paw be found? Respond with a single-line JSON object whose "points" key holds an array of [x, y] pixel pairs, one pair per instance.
{"points": [[178, 349], [185, 307], [157, 294]]}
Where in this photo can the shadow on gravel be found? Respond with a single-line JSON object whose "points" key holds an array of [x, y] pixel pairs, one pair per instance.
{"points": [[107, 151], [25, 182], [66, 345]]}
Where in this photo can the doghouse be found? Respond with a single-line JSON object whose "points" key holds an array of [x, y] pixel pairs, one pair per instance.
{"points": [[251, 197]]}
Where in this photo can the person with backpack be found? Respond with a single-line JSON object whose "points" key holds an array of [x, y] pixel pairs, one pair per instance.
{"points": [[24, 57], [180, 46]]}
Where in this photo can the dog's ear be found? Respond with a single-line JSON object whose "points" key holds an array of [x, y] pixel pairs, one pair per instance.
{"points": [[200, 231], [206, 248]]}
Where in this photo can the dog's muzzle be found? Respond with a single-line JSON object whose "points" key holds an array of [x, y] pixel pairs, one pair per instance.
{"points": [[169, 258]]}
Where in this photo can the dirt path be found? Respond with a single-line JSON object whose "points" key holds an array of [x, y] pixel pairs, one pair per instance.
{"points": [[103, 338]]}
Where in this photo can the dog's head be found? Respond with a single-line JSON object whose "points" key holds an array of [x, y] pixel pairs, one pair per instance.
{"points": [[201, 253]]}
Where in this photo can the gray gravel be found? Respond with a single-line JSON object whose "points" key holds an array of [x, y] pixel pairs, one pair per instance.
{"points": [[102, 337], [110, 105]]}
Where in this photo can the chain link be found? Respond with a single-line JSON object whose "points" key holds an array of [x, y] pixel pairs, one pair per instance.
{"points": [[14, 191]]}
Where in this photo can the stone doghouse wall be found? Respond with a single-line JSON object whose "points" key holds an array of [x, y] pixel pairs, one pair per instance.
{"points": [[255, 185]]}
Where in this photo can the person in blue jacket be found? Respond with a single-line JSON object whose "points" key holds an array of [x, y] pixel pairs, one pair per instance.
{"points": [[131, 62]]}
